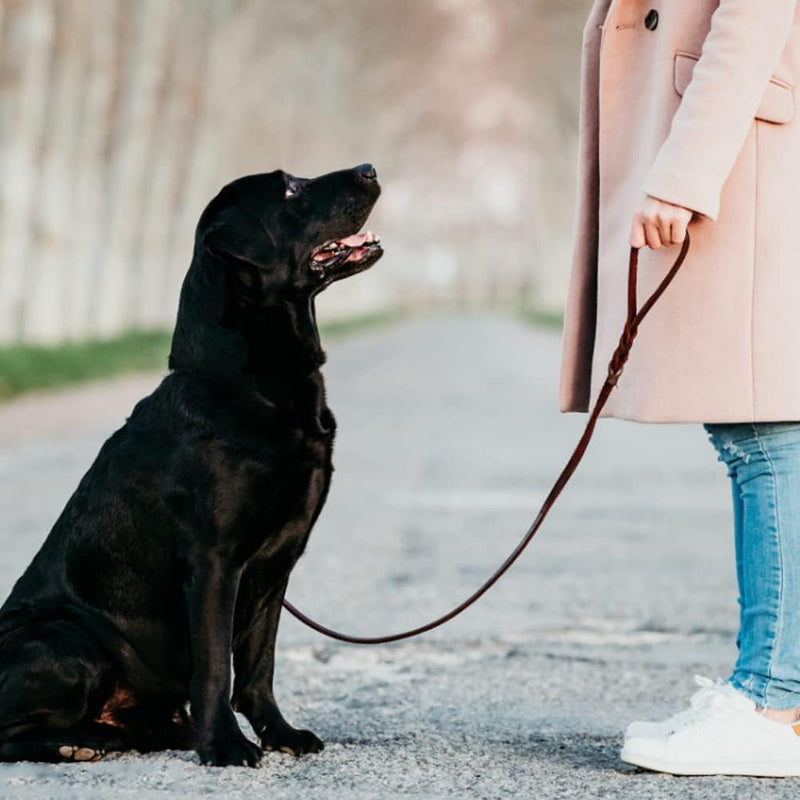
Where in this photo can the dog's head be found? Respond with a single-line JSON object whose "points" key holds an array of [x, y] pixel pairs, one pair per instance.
{"points": [[278, 233], [264, 247]]}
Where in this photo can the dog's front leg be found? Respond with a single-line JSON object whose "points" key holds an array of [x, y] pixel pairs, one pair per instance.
{"points": [[254, 665], [211, 598]]}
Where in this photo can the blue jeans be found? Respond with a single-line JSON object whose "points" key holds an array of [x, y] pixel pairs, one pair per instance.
{"points": [[763, 461]]}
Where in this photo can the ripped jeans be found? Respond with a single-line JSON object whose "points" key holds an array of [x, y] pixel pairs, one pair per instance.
{"points": [[763, 461]]}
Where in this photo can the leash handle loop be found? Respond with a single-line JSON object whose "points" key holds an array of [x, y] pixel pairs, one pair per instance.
{"points": [[615, 368]]}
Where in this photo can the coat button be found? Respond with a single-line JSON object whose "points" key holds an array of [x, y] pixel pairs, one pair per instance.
{"points": [[651, 20]]}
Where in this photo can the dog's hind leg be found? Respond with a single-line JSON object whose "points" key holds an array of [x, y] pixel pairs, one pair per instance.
{"points": [[83, 742], [53, 680]]}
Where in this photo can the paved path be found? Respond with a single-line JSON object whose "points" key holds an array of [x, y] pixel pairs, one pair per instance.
{"points": [[449, 438]]}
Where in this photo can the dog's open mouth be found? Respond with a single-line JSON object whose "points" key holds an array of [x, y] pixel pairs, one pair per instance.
{"points": [[352, 250]]}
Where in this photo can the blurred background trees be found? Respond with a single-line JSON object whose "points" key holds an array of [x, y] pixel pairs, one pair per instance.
{"points": [[119, 119]]}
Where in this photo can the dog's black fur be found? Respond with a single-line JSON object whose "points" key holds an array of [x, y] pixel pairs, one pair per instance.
{"points": [[175, 549]]}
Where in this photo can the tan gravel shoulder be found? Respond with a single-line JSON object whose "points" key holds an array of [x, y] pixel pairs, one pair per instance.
{"points": [[96, 404]]}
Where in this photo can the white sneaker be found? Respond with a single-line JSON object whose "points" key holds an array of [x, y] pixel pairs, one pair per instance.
{"points": [[665, 727], [724, 736]]}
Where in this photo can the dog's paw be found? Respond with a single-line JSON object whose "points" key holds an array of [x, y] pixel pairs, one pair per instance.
{"points": [[69, 752], [292, 741], [231, 750]]}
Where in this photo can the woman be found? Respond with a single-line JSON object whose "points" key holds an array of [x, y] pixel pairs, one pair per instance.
{"points": [[688, 118]]}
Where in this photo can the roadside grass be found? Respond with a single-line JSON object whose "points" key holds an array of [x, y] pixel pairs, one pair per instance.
{"points": [[24, 368]]}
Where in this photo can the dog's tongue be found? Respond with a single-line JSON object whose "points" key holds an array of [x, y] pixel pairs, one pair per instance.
{"points": [[356, 240]]}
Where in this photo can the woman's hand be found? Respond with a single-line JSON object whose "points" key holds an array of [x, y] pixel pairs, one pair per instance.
{"points": [[659, 224]]}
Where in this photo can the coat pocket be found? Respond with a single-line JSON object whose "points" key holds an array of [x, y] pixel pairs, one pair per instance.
{"points": [[777, 104]]}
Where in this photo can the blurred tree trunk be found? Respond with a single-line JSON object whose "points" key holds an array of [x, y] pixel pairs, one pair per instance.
{"points": [[167, 146], [135, 119], [25, 54], [54, 220], [100, 85]]}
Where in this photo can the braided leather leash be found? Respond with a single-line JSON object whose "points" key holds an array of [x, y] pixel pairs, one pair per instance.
{"points": [[615, 367]]}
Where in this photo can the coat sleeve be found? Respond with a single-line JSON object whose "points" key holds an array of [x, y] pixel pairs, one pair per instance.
{"points": [[709, 128]]}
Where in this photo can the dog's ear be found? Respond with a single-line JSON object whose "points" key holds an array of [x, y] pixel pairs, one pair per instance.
{"points": [[242, 239]]}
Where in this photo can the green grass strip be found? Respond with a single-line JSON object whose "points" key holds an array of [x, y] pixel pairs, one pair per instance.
{"points": [[27, 367], [24, 368]]}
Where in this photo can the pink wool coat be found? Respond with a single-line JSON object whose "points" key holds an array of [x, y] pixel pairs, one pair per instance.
{"points": [[693, 102]]}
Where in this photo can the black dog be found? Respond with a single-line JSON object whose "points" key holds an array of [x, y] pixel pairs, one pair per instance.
{"points": [[175, 549]]}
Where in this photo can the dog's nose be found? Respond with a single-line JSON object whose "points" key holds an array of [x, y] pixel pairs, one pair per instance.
{"points": [[367, 171]]}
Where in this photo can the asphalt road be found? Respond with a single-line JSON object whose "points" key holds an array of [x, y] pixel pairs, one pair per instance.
{"points": [[449, 439]]}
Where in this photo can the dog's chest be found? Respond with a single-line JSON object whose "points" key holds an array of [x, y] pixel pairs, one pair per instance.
{"points": [[290, 496]]}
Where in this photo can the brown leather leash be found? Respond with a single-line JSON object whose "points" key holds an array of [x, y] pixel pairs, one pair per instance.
{"points": [[615, 367]]}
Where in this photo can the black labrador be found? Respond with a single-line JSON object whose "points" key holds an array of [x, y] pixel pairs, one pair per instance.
{"points": [[175, 550]]}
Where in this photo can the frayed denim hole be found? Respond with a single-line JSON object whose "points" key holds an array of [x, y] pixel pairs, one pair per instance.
{"points": [[737, 452]]}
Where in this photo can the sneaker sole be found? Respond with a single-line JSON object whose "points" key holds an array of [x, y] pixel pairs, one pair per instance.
{"points": [[760, 769]]}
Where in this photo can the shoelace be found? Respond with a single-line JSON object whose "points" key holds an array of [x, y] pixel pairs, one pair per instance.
{"points": [[713, 698]]}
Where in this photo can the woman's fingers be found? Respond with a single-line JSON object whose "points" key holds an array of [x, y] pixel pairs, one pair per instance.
{"points": [[678, 230], [638, 239], [652, 232], [658, 224], [645, 233]]}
